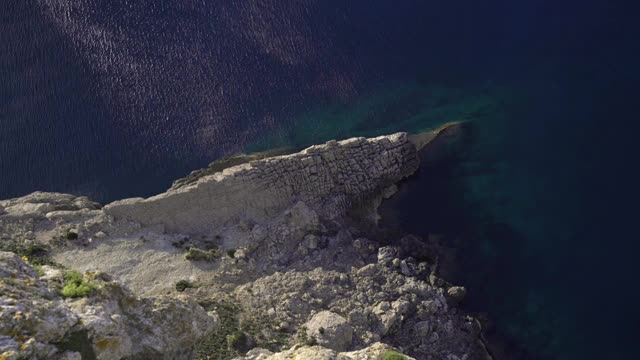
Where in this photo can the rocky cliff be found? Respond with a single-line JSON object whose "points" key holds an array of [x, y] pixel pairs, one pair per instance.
{"points": [[276, 258], [330, 178]]}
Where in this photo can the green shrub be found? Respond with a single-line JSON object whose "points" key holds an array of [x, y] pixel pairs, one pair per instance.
{"points": [[216, 345], [393, 355], [39, 255], [311, 341], [38, 269], [195, 254], [182, 285], [36, 254], [231, 253], [75, 286], [237, 341], [34, 250], [71, 235], [304, 339]]}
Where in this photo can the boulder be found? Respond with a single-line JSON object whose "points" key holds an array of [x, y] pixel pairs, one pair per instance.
{"points": [[456, 293], [386, 254], [29, 210], [330, 330]]}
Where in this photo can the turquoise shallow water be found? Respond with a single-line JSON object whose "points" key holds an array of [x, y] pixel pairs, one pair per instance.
{"points": [[115, 99]]}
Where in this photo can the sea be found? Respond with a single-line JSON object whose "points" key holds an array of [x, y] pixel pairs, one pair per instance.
{"points": [[117, 98]]}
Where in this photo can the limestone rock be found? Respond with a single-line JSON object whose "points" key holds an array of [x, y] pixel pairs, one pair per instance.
{"points": [[378, 302], [407, 267], [330, 178], [374, 352], [330, 330], [290, 223], [258, 354], [40, 203], [29, 209], [112, 323], [387, 254], [456, 293]]}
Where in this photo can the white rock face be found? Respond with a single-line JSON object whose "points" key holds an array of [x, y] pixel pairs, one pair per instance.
{"points": [[40, 203], [329, 178]]}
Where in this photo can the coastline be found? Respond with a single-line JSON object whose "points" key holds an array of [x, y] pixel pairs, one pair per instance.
{"points": [[282, 219]]}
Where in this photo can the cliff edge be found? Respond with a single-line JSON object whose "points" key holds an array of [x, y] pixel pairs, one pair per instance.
{"points": [[330, 178], [271, 259]]}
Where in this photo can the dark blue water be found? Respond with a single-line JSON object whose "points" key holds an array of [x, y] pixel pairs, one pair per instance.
{"points": [[117, 98]]}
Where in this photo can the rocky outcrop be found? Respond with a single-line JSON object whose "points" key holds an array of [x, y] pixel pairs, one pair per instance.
{"points": [[36, 322], [331, 178], [351, 309], [330, 330], [376, 351], [227, 162], [38, 204], [263, 254]]}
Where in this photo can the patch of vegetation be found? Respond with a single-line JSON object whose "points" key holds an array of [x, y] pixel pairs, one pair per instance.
{"points": [[231, 253], [393, 355], [182, 285], [216, 345], [311, 341], [35, 254], [239, 342], [304, 339], [71, 235], [195, 254], [75, 286], [236, 339], [38, 269], [276, 340], [321, 331], [221, 344]]}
